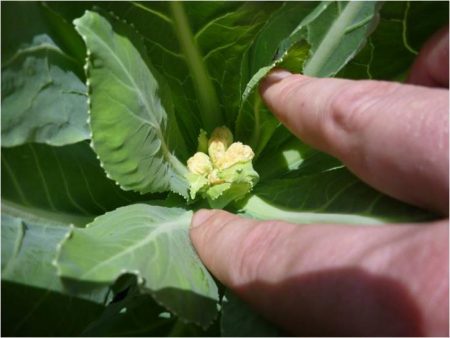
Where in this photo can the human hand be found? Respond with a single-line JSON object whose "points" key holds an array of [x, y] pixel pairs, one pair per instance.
{"points": [[335, 279]]}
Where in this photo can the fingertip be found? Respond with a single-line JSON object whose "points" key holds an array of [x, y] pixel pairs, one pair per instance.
{"points": [[279, 91], [205, 225], [214, 234], [201, 217], [201, 231], [275, 76]]}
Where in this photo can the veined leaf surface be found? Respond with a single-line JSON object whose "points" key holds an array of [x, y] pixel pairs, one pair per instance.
{"points": [[33, 295], [65, 179], [393, 46], [199, 58], [43, 100], [151, 242], [128, 115], [29, 247]]}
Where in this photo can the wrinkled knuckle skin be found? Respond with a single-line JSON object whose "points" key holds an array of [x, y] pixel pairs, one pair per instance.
{"points": [[351, 110]]}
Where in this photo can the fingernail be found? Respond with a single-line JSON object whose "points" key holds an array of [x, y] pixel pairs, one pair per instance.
{"points": [[274, 76], [201, 217]]}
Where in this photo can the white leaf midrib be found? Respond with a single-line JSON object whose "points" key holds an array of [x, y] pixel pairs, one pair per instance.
{"points": [[176, 224], [332, 37], [175, 165]]}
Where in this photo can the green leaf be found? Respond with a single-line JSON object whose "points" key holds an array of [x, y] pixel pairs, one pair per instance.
{"points": [[294, 158], [334, 196], [393, 46], [265, 50], [239, 320], [324, 40], [65, 179], [43, 100], [223, 41], [197, 184], [239, 181], [217, 34], [151, 242], [255, 123], [29, 247], [128, 116], [35, 301], [208, 102], [337, 34]]}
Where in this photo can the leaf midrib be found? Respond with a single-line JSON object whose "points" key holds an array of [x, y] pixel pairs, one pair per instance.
{"points": [[159, 229], [176, 166], [332, 38]]}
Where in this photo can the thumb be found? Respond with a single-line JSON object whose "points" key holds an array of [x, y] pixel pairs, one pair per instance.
{"points": [[327, 279]]}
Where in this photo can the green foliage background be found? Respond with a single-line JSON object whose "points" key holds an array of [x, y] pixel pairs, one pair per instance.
{"points": [[102, 104]]}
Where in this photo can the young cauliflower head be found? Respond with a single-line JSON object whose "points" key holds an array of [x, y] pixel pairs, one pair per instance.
{"points": [[222, 172]]}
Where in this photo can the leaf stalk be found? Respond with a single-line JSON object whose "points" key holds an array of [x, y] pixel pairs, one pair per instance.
{"points": [[210, 112]]}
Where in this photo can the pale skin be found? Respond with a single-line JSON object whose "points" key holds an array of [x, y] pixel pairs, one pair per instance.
{"points": [[336, 279]]}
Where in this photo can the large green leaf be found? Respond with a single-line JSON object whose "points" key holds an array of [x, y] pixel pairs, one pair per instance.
{"points": [[333, 196], [18, 237], [151, 242], [199, 57], [65, 179], [43, 100], [393, 46], [34, 299], [294, 157], [128, 115], [224, 41], [29, 246]]}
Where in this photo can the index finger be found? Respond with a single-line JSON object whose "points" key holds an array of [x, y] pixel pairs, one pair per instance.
{"points": [[393, 136]]}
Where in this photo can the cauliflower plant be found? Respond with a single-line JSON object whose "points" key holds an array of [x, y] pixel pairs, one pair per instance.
{"points": [[221, 171]]}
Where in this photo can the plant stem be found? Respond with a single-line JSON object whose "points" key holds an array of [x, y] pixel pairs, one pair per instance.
{"points": [[210, 112]]}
